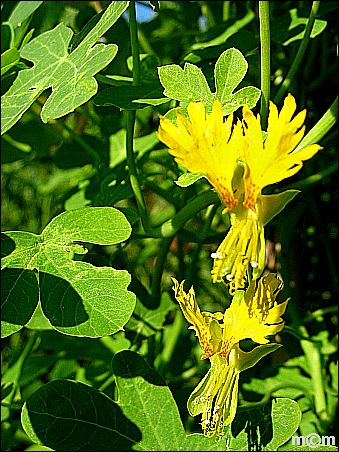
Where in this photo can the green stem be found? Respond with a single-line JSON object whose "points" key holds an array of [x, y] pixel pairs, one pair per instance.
{"points": [[133, 173], [265, 56], [226, 10], [322, 126], [131, 115], [211, 211], [170, 341], [159, 267], [133, 28], [170, 227], [207, 12], [13, 374], [313, 358], [300, 53], [90, 151]]}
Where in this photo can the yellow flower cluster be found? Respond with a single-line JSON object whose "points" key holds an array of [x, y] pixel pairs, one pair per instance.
{"points": [[238, 163]]}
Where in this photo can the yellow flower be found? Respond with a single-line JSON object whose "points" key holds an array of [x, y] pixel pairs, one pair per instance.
{"points": [[253, 314], [206, 144], [239, 164], [274, 160]]}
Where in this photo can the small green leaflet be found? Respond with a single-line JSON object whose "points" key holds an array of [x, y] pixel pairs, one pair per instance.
{"points": [[189, 84], [187, 179], [75, 297], [70, 75]]}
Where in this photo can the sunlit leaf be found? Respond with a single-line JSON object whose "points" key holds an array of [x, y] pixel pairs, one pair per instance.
{"points": [[66, 415], [70, 75], [189, 84], [148, 403], [270, 426], [76, 297]]}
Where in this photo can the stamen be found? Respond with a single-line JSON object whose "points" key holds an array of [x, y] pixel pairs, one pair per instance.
{"points": [[217, 255]]}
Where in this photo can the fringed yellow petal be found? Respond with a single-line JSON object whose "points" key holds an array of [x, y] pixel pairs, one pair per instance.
{"points": [[205, 324], [205, 144], [273, 161], [254, 314]]}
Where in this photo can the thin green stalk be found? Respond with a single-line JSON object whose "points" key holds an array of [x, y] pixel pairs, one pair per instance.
{"points": [[90, 151], [159, 267], [13, 374], [300, 53], [226, 10], [131, 114], [133, 28], [313, 357], [208, 13], [172, 335], [133, 173], [321, 128], [170, 227], [265, 60], [211, 211]]}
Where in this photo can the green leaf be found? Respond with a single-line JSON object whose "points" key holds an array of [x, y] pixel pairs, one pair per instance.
{"points": [[226, 34], [148, 403], [187, 85], [187, 179], [70, 75], [244, 40], [271, 425], [22, 11], [76, 297], [229, 71], [66, 415], [8, 59], [270, 205], [300, 385], [292, 28], [7, 36]]}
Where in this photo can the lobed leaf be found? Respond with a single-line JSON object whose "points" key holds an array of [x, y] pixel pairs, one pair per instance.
{"points": [[70, 75], [189, 84], [76, 297]]}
